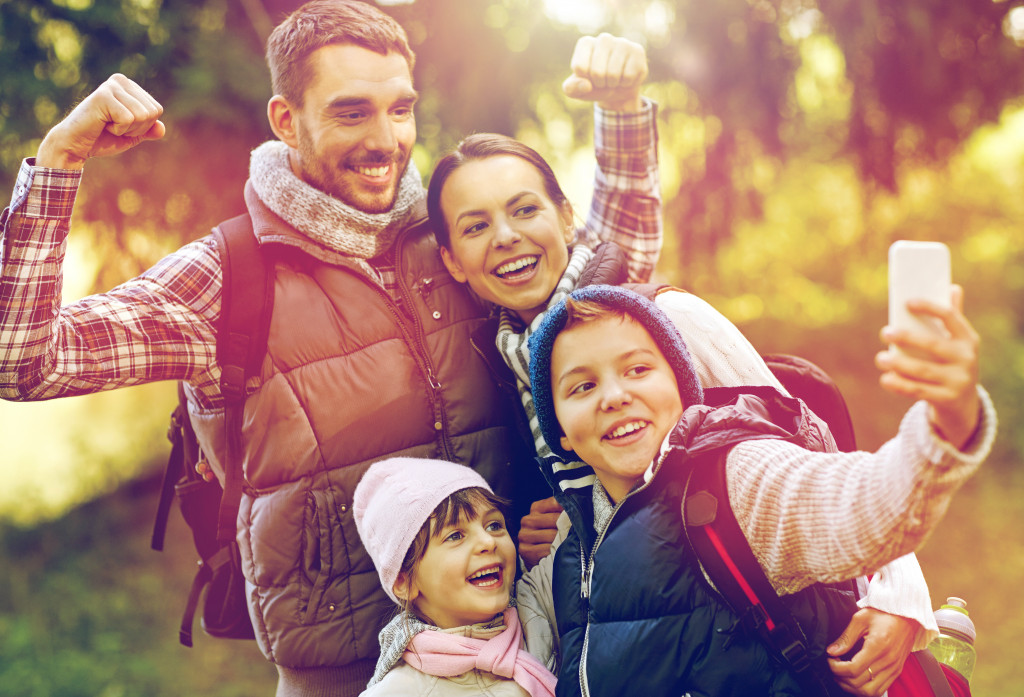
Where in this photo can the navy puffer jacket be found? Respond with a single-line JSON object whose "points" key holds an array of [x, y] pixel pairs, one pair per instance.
{"points": [[635, 613]]}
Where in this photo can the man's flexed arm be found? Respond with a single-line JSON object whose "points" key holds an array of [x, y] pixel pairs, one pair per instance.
{"points": [[158, 326], [117, 116]]}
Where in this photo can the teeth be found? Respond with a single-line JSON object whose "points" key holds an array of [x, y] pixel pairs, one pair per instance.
{"points": [[627, 428], [515, 265], [486, 572], [373, 171]]}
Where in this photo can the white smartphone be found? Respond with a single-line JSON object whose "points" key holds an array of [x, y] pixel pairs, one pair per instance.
{"points": [[918, 270]]}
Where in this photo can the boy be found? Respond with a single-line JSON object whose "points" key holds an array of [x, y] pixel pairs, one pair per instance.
{"points": [[613, 383]]}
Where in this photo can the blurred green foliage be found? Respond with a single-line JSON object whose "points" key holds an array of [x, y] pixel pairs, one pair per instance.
{"points": [[89, 610], [799, 138]]}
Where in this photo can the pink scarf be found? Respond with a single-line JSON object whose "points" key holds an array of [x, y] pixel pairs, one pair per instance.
{"points": [[447, 655]]}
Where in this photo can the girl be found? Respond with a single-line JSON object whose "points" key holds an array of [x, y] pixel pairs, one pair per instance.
{"points": [[505, 228], [437, 536]]}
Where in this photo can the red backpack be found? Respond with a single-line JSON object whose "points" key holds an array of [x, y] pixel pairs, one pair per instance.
{"points": [[919, 679]]}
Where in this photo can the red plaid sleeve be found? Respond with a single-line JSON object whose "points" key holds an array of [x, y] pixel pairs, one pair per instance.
{"points": [[626, 207], [157, 326]]}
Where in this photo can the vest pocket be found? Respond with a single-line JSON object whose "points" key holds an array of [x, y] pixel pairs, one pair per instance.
{"points": [[319, 521]]}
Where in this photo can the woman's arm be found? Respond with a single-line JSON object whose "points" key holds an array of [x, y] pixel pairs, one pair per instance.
{"points": [[626, 205]]}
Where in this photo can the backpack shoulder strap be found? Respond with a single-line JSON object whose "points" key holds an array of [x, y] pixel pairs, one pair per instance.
{"points": [[181, 439], [725, 555], [246, 301], [609, 266], [246, 306]]}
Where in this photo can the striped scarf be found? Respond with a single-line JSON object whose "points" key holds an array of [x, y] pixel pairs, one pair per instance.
{"points": [[512, 344]]}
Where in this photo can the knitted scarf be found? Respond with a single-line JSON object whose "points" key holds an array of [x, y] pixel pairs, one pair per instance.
{"points": [[512, 344], [394, 638], [325, 219], [446, 655]]}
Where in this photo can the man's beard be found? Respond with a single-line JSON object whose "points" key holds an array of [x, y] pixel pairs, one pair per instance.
{"points": [[331, 179]]}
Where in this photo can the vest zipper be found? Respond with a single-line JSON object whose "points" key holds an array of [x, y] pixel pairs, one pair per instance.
{"points": [[423, 357], [587, 577], [417, 347]]}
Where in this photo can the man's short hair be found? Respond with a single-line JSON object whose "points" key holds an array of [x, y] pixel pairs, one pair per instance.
{"points": [[322, 23]]}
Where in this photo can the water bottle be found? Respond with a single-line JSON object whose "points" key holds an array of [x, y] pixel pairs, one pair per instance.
{"points": [[955, 644]]}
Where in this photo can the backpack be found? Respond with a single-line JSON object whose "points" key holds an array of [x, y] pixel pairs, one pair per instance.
{"points": [[815, 387], [725, 556], [210, 510]]}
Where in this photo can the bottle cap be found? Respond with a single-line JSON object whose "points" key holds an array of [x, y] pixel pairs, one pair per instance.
{"points": [[952, 618]]}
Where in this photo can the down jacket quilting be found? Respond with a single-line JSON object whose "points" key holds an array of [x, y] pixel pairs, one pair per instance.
{"points": [[350, 377], [633, 607]]}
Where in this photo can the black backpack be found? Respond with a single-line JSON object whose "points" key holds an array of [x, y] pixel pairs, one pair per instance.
{"points": [[717, 540], [210, 511]]}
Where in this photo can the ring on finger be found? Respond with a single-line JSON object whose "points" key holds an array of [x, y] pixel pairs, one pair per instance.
{"points": [[871, 676]]}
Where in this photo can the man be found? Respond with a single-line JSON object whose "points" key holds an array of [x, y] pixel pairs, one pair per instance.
{"points": [[369, 353]]}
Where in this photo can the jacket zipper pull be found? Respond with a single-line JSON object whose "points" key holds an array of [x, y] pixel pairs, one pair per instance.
{"points": [[585, 576], [432, 380]]}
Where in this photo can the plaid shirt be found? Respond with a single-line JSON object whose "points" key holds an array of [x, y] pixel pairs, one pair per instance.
{"points": [[162, 324]]}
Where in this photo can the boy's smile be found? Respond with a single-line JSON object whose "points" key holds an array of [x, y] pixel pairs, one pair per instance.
{"points": [[615, 396]]}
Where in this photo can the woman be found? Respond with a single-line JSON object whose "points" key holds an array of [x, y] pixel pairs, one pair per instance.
{"points": [[505, 228]]}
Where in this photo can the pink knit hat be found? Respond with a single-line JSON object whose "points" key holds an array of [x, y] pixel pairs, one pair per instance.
{"points": [[393, 500]]}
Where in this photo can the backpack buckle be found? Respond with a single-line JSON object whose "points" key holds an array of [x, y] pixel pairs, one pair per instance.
{"points": [[757, 616], [793, 650]]}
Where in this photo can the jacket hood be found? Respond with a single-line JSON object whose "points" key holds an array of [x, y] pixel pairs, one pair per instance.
{"points": [[730, 415]]}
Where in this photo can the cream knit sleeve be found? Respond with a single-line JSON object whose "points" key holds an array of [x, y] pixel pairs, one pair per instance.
{"points": [[813, 517], [722, 356]]}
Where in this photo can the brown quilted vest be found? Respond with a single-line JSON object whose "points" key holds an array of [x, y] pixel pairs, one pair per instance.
{"points": [[350, 378]]}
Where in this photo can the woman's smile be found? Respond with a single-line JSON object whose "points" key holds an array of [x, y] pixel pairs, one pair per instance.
{"points": [[508, 240]]}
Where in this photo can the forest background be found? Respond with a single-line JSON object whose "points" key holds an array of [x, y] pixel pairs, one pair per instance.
{"points": [[799, 138]]}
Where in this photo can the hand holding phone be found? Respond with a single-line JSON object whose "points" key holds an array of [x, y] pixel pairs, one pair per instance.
{"points": [[918, 270], [946, 377]]}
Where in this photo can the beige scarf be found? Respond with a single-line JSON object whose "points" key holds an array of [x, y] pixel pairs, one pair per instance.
{"points": [[324, 218]]}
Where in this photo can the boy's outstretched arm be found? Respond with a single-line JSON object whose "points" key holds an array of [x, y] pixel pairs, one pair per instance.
{"points": [[946, 378], [821, 517]]}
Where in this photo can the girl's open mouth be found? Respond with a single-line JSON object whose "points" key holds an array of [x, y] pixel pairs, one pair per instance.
{"points": [[490, 577]]}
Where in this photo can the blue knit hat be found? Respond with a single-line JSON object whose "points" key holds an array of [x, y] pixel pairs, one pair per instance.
{"points": [[639, 308]]}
